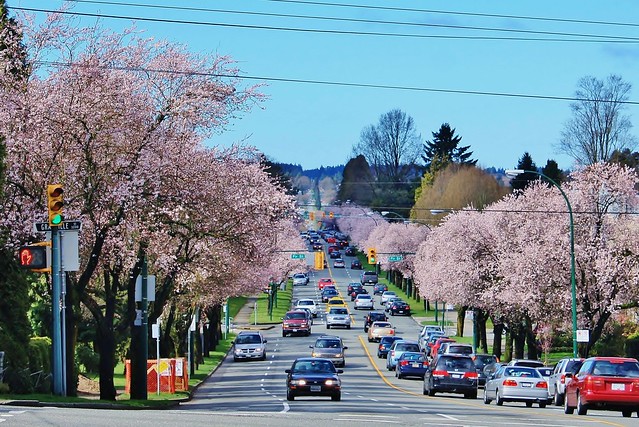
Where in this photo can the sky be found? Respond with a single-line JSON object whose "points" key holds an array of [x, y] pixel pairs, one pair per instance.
{"points": [[488, 68]]}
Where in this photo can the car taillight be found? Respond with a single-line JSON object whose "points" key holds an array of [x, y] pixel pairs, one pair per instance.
{"points": [[408, 307], [404, 362], [440, 374], [563, 379], [471, 375], [542, 384], [509, 383], [391, 332]]}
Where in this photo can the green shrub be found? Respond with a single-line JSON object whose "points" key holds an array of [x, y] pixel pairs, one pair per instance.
{"points": [[4, 388], [87, 359]]}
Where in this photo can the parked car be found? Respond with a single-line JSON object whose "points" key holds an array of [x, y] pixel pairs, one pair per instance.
{"points": [[368, 277], [411, 364], [364, 301], [530, 363], [356, 264], [295, 322], [451, 373], [609, 383], [374, 316], [249, 345], [481, 361], [379, 289], [300, 279], [546, 372], [339, 263], [377, 330], [399, 307], [434, 350], [307, 303], [557, 381], [313, 377], [325, 281], [515, 383], [396, 350], [330, 347], [456, 348], [338, 316], [385, 344], [386, 295]]}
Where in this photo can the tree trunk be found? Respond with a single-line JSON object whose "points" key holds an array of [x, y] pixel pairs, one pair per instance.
{"points": [[481, 330], [519, 337], [461, 317], [498, 329], [106, 343], [531, 342]]}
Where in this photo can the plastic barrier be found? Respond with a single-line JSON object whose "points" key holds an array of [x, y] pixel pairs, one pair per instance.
{"points": [[174, 375]]}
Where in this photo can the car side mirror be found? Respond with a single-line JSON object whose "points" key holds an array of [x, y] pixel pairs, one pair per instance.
{"points": [[288, 371], [345, 348], [340, 371], [310, 346], [265, 341]]}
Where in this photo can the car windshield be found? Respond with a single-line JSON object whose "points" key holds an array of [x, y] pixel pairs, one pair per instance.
{"points": [[325, 366], [455, 363], [298, 315], [327, 343], [299, 276], [248, 339], [616, 369]]}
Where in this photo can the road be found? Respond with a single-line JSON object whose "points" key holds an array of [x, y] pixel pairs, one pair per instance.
{"points": [[254, 393]]}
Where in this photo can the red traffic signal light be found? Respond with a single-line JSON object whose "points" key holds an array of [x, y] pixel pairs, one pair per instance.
{"points": [[33, 257]]}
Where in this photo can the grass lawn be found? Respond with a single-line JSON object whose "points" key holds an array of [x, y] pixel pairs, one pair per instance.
{"points": [[282, 305]]}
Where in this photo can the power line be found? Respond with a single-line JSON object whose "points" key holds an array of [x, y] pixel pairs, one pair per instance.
{"points": [[365, 21], [625, 40], [344, 84]]}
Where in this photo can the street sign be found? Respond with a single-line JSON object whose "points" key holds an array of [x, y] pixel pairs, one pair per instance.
{"points": [[298, 256], [66, 225], [395, 258]]}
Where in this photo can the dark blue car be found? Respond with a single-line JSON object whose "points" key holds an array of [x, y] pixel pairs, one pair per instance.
{"points": [[385, 345], [411, 364]]}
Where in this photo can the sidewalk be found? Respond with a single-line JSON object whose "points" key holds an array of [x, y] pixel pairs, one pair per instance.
{"points": [[242, 320]]}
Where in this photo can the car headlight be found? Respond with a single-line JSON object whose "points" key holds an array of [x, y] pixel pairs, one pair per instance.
{"points": [[238, 351], [298, 382], [339, 355], [314, 354], [331, 382]]}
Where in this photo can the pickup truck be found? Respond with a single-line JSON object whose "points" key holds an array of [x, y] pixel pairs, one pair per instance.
{"points": [[368, 277]]}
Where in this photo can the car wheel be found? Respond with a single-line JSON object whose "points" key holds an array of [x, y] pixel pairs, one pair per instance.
{"points": [[348, 327], [558, 398], [567, 409], [499, 401], [370, 340], [486, 399], [529, 404], [336, 397], [398, 375], [283, 334], [542, 405], [235, 359], [471, 395], [264, 356], [581, 408], [626, 414], [289, 395], [328, 326]]}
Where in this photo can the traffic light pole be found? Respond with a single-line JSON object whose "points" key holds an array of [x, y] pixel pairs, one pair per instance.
{"points": [[58, 388]]}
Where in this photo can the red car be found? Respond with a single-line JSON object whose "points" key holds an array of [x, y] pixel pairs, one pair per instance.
{"points": [[296, 322], [325, 281], [610, 383], [435, 348]]}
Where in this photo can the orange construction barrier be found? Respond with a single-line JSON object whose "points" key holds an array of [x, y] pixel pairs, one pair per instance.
{"points": [[174, 375]]}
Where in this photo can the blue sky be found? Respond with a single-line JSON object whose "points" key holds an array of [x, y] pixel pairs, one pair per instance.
{"points": [[318, 124]]}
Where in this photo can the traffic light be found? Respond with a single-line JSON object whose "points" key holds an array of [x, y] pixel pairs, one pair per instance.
{"points": [[55, 204], [331, 215], [34, 257], [312, 216], [372, 256]]}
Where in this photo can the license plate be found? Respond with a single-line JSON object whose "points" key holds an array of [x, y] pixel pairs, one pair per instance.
{"points": [[294, 330], [316, 388], [400, 311], [456, 375], [618, 387], [526, 384], [417, 365]]}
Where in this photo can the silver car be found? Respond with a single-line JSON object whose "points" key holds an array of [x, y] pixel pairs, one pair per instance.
{"points": [[249, 345], [364, 301], [330, 347], [300, 279], [338, 316], [516, 384]]}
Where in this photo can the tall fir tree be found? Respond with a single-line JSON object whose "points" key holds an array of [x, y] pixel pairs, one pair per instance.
{"points": [[445, 147]]}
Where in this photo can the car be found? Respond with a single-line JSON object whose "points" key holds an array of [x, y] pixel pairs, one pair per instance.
{"points": [[296, 322], [307, 303], [608, 383], [368, 277], [385, 343], [332, 248], [342, 243], [399, 307], [325, 281], [313, 377], [456, 348], [328, 293], [352, 286], [546, 372], [335, 302], [557, 381], [335, 255], [396, 350], [427, 341], [530, 363], [481, 361], [339, 263], [431, 342], [309, 315], [386, 295], [434, 350], [364, 301], [389, 302], [338, 316], [374, 316], [377, 330], [516, 383], [356, 265], [451, 373], [317, 246], [300, 279], [249, 345], [411, 364], [428, 329], [330, 347], [350, 251], [357, 291], [379, 288]]}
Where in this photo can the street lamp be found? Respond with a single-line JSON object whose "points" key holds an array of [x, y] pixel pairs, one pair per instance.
{"points": [[573, 284]]}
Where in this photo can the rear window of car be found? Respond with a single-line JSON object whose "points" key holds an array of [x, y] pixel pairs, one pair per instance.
{"points": [[613, 369], [452, 363], [574, 365], [460, 349], [407, 347], [363, 296], [481, 361]]}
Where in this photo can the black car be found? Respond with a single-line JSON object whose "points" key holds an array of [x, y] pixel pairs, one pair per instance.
{"points": [[350, 251], [374, 316], [379, 289], [481, 361], [313, 377], [317, 246], [356, 264], [385, 344], [452, 374], [356, 291], [399, 307], [335, 254], [329, 293]]}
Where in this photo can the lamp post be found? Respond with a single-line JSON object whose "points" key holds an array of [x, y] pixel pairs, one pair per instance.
{"points": [[573, 283]]}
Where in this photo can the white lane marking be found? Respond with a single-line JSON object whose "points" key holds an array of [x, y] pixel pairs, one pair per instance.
{"points": [[367, 420], [448, 417], [286, 408], [375, 400]]}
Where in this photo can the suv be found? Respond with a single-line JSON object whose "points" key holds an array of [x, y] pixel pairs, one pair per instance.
{"points": [[455, 348], [330, 347], [296, 322], [249, 345], [368, 277], [452, 373], [338, 316], [557, 381], [374, 316]]}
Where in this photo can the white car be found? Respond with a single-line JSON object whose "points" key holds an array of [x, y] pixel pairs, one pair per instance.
{"points": [[307, 303], [300, 279], [338, 316], [364, 301], [386, 295]]}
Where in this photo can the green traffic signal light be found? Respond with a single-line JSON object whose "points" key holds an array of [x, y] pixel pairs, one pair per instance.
{"points": [[56, 219]]}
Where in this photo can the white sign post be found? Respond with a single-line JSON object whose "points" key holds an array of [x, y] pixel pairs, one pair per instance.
{"points": [[155, 333], [583, 335]]}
